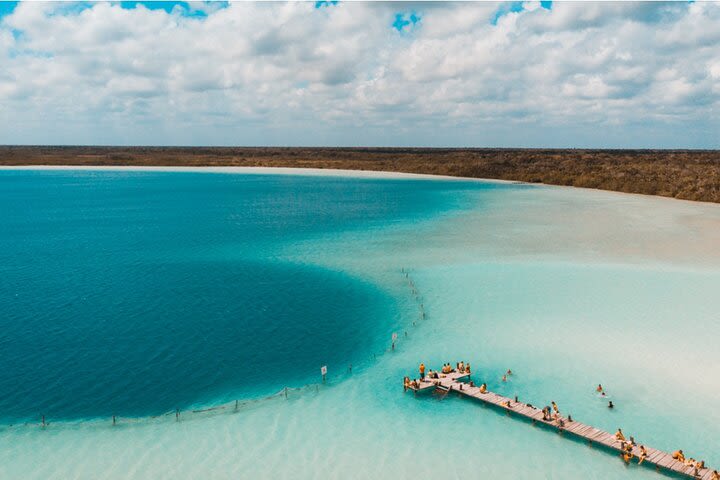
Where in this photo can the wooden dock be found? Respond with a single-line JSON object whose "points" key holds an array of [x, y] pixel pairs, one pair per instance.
{"points": [[662, 461]]}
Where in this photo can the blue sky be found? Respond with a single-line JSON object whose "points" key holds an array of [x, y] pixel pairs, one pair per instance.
{"points": [[542, 74]]}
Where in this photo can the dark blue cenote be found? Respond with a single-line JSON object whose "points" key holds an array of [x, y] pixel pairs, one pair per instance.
{"points": [[137, 292]]}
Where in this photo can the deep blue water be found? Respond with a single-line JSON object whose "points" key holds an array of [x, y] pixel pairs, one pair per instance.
{"points": [[116, 296]]}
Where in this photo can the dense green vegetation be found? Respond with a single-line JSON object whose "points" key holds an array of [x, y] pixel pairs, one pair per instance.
{"points": [[686, 174]]}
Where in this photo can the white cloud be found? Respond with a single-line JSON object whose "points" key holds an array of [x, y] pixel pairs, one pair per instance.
{"points": [[288, 73]]}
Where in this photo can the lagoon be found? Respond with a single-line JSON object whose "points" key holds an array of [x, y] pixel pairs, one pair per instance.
{"points": [[135, 292]]}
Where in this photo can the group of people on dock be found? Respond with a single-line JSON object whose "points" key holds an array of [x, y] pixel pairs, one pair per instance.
{"points": [[551, 412], [627, 447], [696, 465], [460, 367], [407, 383]]}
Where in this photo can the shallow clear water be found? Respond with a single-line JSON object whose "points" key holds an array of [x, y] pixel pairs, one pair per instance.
{"points": [[567, 288]]}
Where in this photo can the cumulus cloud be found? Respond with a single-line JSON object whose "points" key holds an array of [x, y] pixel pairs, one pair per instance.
{"points": [[481, 74]]}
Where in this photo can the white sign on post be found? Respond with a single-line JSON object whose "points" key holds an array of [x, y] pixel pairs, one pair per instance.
{"points": [[323, 370]]}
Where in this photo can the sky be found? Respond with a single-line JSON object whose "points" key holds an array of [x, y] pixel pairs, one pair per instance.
{"points": [[328, 73]]}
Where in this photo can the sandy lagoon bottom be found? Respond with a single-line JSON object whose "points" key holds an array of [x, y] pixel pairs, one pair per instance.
{"points": [[567, 288]]}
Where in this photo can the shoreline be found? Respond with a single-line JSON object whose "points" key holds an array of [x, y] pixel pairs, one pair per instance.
{"points": [[331, 172]]}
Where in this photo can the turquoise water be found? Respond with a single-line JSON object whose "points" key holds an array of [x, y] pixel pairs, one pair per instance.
{"points": [[115, 302], [568, 288]]}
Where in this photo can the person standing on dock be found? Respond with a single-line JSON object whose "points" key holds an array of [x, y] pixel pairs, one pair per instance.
{"points": [[422, 372]]}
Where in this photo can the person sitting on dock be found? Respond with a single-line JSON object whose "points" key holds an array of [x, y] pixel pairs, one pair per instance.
{"points": [[643, 454], [678, 455], [433, 374], [406, 383], [619, 435], [461, 367], [467, 368], [555, 407], [627, 456], [483, 388], [632, 441], [715, 475]]}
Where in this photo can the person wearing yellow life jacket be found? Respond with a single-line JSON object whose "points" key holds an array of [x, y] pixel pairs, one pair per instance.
{"points": [[678, 455]]}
